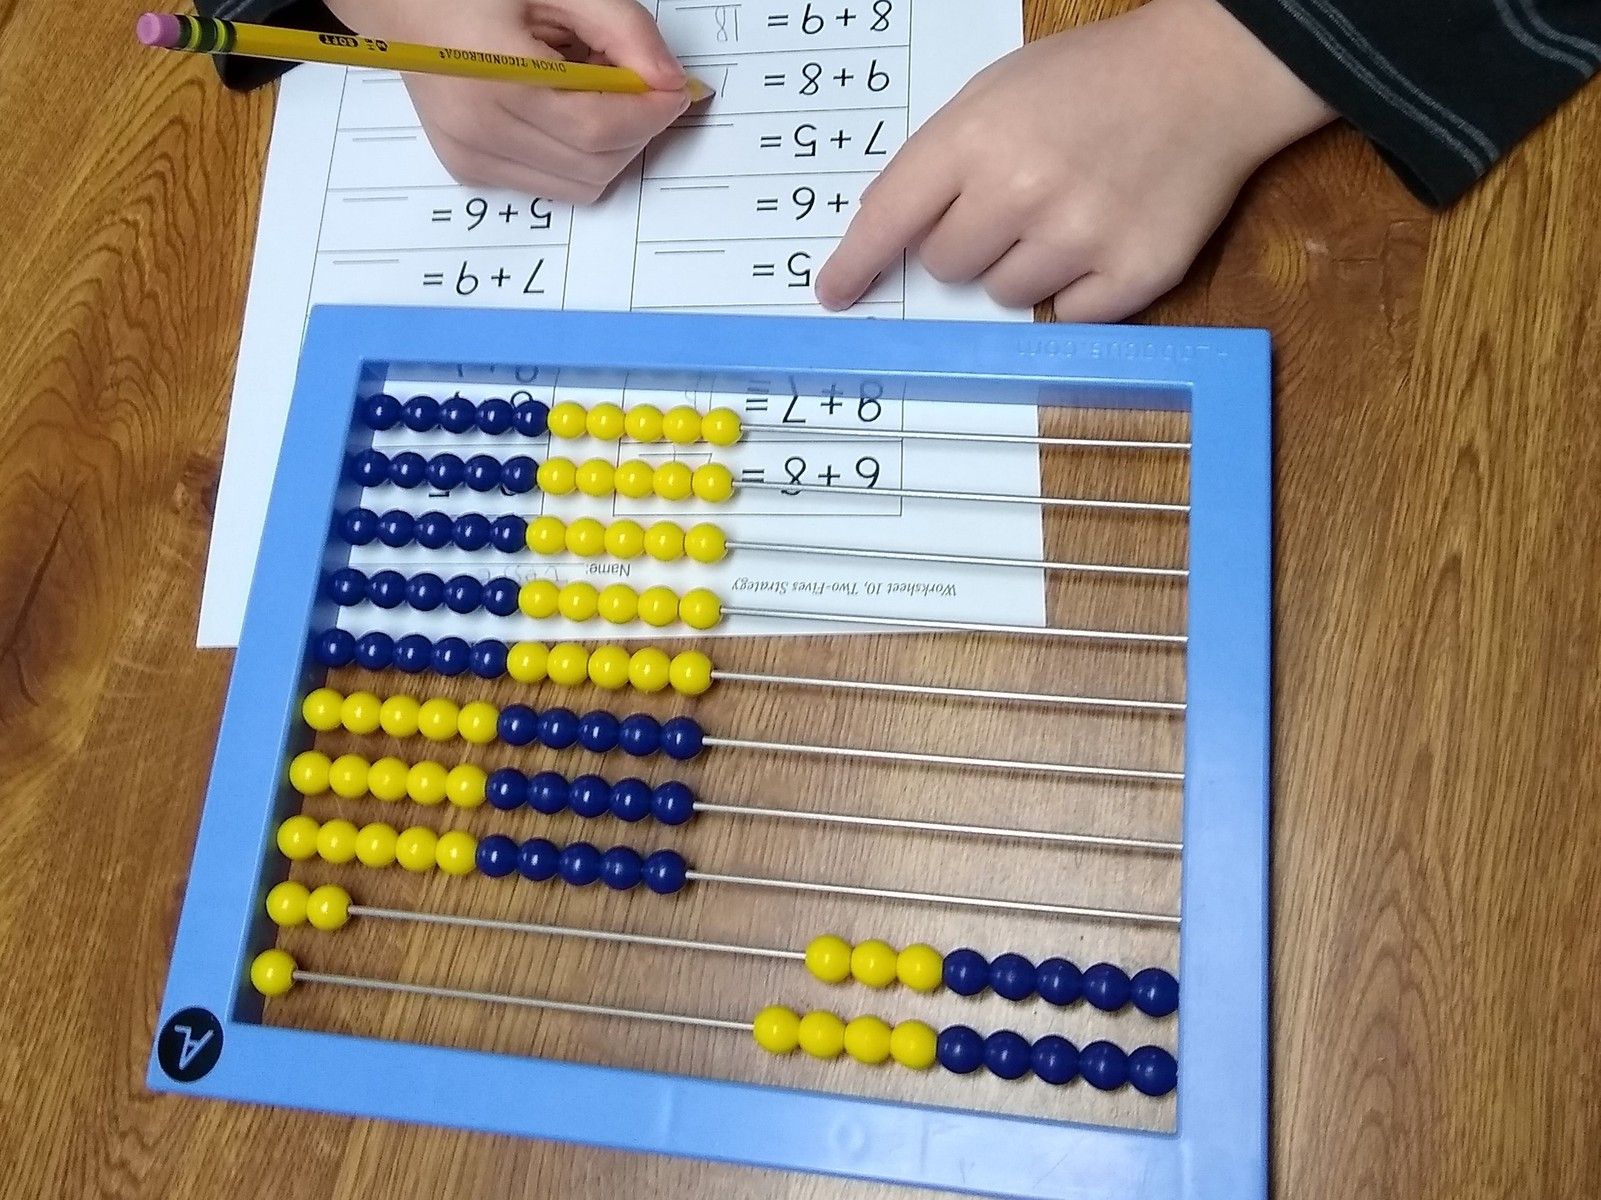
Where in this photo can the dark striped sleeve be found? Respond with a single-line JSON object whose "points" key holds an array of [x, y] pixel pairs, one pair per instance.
{"points": [[247, 73], [1443, 88]]}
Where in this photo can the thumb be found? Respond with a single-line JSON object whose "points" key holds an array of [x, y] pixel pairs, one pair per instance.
{"points": [[625, 33]]}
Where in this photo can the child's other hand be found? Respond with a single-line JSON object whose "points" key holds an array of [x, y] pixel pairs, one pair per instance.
{"points": [[1090, 166], [560, 145]]}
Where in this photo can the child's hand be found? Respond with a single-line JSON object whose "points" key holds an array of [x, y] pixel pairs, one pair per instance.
{"points": [[561, 145], [1092, 165]]}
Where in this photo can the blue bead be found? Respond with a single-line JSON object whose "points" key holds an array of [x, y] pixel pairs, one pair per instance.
{"points": [[472, 531], [482, 473], [960, 1049], [387, 589], [396, 528], [548, 793], [494, 416], [446, 471], [537, 859], [414, 653], [598, 731], [682, 738], [1012, 977], [1153, 1071], [334, 648], [463, 594], [370, 468], [347, 587], [1154, 992], [420, 413], [500, 596], [359, 526], [506, 789], [458, 415], [558, 728], [579, 864], [672, 803], [1059, 982], [530, 417], [1007, 1054], [518, 725], [450, 656], [425, 591], [434, 530], [630, 800], [488, 658], [966, 972], [517, 475], [380, 412], [375, 650], [666, 872], [1103, 1066], [621, 868], [590, 796], [639, 735], [1054, 1059], [408, 469], [1106, 987], [509, 534], [496, 856]]}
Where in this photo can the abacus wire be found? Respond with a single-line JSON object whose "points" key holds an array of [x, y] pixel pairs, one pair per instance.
{"points": [[1095, 635], [974, 560], [961, 693], [954, 435], [1151, 506], [948, 760]]}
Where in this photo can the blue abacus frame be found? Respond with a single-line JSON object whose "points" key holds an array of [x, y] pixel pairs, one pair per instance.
{"points": [[1219, 1145]]}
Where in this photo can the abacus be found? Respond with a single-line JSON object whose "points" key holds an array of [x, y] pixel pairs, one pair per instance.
{"points": [[464, 862]]}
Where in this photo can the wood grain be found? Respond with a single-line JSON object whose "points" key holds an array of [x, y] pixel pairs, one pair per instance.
{"points": [[1438, 651]]}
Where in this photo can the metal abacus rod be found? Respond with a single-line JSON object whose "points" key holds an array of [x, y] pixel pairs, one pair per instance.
{"points": [[1078, 502], [972, 560], [957, 435], [1096, 635]]}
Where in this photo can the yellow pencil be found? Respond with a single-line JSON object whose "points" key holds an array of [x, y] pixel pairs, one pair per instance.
{"points": [[202, 35]]}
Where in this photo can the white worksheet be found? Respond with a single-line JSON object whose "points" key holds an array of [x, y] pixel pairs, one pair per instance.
{"points": [[733, 210]]}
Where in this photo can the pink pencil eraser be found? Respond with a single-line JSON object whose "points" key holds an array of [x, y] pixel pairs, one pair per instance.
{"points": [[158, 29]]}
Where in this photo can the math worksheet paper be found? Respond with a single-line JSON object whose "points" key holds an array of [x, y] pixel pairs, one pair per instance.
{"points": [[732, 211]]}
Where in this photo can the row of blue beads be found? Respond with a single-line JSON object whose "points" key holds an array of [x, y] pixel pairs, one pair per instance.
{"points": [[1105, 986], [1102, 1065], [549, 792], [424, 592], [581, 864], [413, 653], [422, 414], [433, 530], [445, 472], [600, 732]]}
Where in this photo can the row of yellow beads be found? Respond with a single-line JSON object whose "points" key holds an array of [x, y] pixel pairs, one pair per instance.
{"points": [[648, 669], [438, 719], [664, 541], [869, 1040], [619, 604], [292, 903], [378, 845], [874, 963], [351, 777], [681, 425], [635, 479]]}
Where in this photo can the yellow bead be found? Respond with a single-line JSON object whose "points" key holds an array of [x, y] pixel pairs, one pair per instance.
{"points": [[586, 537], [272, 973], [634, 479], [873, 963], [664, 541], [618, 604], [821, 1034], [347, 776], [359, 712], [674, 481], [308, 773], [426, 782], [437, 719], [721, 427], [625, 539], [414, 849], [286, 903], [649, 669], [914, 1044], [556, 476], [829, 958], [321, 709], [713, 483], [578, 601], [456, 853], [867, 1040], [328, 908], [538, 597], [525, 662], [706, 543], [690, 673], [336, 841], [596, 477], [776, 1029], [658, 606], [681, 425], [700, 609], [464, 786], [386, 779], [297, 838], [375, 845], [567, 664], [546, 535], [643, 423], [398, 716], [604, 421], [608, 665], [478, 722], [920, 967], [567, 420]]}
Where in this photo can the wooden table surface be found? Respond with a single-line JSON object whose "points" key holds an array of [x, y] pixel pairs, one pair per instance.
{"points": [[1438, 657]]}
